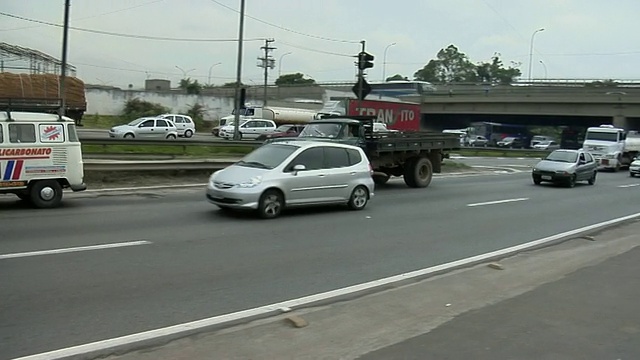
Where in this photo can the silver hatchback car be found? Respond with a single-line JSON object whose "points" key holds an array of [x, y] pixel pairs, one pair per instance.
{"points": [[294, 173]]}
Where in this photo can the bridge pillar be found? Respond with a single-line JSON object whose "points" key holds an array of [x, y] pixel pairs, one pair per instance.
{"points": [[621, 121]]}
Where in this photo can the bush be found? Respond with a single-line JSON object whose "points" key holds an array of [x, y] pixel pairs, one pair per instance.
{"points": [[136, 108]]}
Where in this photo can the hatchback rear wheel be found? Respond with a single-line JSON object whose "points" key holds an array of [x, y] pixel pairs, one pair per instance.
{"points": [[359, 198]]}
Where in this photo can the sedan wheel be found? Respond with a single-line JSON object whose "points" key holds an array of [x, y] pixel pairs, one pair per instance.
{"points": [[592, 180], [572, 181]]}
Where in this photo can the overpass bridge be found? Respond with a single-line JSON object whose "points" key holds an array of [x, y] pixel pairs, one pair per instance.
{"points": [[541, 104]]}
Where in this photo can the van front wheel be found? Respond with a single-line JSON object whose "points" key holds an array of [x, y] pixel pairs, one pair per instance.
{"points": [[46, 194]]}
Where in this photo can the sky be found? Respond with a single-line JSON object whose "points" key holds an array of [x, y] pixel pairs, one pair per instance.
{"points": [[582, 39]]}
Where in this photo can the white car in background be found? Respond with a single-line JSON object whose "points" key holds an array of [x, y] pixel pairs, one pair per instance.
{"points": [[145, 128], [249, 129], [184, 124], [547, 145]]}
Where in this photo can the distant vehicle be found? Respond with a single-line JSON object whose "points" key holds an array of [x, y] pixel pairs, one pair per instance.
{"points": [[283, 130], [566, 167], [184, 124], [249, 129], [547, 145], [414, 155], [399, 88], [511, 142], [294, 173], [612, 147], [279, 115], [145, 128], [478, 140], [494, 132], [634, 168], [538, 139], [382, 127], [40, 156]]}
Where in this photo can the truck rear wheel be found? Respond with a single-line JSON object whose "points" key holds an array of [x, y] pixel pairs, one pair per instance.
{"points": [[418, 172]]}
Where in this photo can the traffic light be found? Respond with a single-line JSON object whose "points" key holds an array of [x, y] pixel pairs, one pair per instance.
{"points": [[365, 61]]}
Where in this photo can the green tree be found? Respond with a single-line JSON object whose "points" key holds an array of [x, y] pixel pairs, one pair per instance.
{"points": [[451, 65], [191, 87], [396, 77], [136, 108], [494, 71], [294, 79], [197, 111]]}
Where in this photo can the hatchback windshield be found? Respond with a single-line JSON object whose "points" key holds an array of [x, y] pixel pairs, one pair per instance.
{"points": [[563, 156], [137, 121], [321, 130], [268, 156]]}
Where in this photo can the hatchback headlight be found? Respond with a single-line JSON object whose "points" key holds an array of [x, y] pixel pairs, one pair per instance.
{"points": [[253, 182]]}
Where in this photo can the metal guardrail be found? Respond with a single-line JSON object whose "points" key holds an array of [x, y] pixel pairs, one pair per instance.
{"points": [[177, 142], [156, 165]]}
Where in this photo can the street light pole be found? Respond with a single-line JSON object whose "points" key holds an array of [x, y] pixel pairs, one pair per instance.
{"points": [[184, 73], [384, 61], [280, 63], [531, 50], [209, 77], [545, 69]]}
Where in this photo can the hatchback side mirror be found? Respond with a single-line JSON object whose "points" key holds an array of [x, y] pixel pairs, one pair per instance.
{"points": [[298, 167]]}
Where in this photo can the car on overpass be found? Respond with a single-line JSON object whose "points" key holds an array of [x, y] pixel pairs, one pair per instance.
{"points": [[566, 167]]}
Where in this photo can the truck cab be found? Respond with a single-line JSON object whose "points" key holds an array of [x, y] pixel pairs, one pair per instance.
{"points": [[609, 146], [40, 155]]}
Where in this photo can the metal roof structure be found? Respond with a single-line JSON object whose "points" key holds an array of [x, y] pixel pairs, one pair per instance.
{"points": [[15, 58]]}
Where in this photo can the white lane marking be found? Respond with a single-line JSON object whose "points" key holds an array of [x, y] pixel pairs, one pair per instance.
{"points": [[497, 202], [294, 303], [497, 167], [73, 249], [628, 186]]}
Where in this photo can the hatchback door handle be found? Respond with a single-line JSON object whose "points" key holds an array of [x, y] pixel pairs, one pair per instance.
{"points": [[353, 173], [322, 175]]}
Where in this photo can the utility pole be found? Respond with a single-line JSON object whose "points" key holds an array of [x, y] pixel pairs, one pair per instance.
{"points": [[63, 67], [236, 120], [267, 62]]}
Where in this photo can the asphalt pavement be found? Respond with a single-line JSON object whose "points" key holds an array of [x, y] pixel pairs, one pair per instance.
{"points": [[574, 300], [193, 262]]}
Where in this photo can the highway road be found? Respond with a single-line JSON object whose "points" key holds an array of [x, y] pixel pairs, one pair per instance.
{"points": [[187, 261]]}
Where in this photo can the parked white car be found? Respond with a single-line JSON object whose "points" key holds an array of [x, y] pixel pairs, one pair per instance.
{"points": [[249, 129], [184, 124], [145, 128]]}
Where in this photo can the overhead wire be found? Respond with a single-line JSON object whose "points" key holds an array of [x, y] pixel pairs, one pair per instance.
{"points": [[287, 29], [91, 16], [143, 37]]}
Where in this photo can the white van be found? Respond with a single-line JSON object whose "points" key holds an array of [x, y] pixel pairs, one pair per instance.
{"points": [[40, 155]]}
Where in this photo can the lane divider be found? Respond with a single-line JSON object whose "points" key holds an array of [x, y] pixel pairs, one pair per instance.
{"points": [[73, 249]]}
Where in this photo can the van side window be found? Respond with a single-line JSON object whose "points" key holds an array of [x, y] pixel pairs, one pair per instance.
{"points": [[1, 135], [73, 135], [22, 133]]}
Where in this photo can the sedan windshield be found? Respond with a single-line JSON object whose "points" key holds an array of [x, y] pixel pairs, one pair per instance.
{"points": [[268, 156], [563, 156]]}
